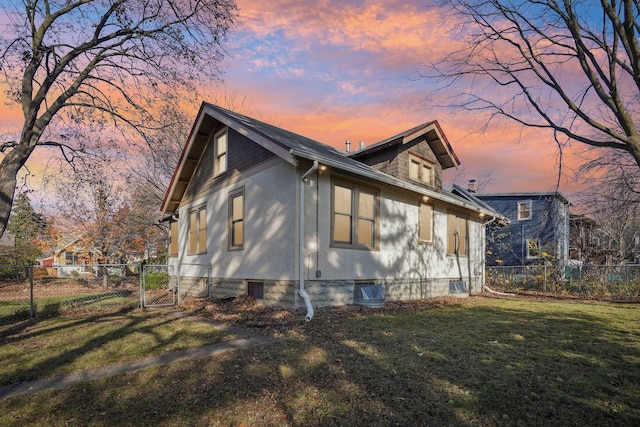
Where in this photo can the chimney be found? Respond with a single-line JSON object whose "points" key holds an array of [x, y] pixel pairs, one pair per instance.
{"points": [[473, 186], [348, 144], [361, 145]]}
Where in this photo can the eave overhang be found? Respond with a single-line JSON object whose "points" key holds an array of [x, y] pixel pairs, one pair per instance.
{"points": [[196, 144]]}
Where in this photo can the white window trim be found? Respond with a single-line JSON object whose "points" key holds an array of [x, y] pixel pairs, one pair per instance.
{"points": [[530, 204], [529, 256]]}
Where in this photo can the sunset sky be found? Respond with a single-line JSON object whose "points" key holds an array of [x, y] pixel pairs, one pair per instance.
{"points": [[334, 70]]}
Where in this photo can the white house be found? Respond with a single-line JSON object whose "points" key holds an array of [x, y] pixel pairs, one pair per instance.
{"points": [[299, 224]]}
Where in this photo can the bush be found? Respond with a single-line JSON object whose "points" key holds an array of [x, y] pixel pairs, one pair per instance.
{"points": [[154, 280]]}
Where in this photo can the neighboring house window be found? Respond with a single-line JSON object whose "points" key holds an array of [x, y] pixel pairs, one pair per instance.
{"points": [[425, 223], [533, 249], [173, 238], [420, 170], [457, 235], [220, 153], [197, 231], [354, 216], [236, 220], [524, 210]]}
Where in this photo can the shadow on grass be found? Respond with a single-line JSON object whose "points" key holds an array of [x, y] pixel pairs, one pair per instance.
{"points": [[121, 327], [487, 364]]}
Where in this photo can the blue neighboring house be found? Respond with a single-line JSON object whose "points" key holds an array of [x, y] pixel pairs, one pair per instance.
{"points": [[537, 231]]}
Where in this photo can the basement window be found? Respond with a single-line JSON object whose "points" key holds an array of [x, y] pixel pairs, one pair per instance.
{"points": [[255, 290], [458, 287], [368, 294]]}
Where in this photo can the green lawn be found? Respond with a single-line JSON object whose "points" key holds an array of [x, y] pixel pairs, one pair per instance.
{"points": [[43, 348], [471, 362], [12, 311]]}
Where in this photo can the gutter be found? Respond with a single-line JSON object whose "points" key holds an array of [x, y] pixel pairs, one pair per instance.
{"points": [[365, 171], [301, 291]]}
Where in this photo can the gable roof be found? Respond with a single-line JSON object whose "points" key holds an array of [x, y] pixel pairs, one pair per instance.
{"points": [[463, 192], [434, 136], [289, 146], [530, 195]]}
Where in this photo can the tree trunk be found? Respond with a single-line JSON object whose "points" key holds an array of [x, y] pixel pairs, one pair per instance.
{"points": [[9, 168]]}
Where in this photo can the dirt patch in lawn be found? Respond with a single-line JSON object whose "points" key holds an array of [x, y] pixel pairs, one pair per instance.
{"points": [[245, 311]]}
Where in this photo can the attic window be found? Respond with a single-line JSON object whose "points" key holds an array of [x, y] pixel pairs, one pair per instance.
{"points": [[220, 152], [420, 170]]}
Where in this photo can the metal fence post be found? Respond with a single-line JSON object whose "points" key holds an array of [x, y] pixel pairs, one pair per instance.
{"points": [[141, 284], [32, 312]]}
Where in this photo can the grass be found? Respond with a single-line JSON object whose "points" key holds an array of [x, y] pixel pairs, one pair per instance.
{"points": [[472, 362], [11, 311], [56, 346]]}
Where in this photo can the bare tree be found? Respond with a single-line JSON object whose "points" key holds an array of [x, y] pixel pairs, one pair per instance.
{"points": [[160, 157], [572, 66], [99, 65], [612, 202]]}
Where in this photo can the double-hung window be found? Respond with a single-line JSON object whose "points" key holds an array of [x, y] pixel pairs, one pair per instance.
{"points": [[525, 210], [457, 235], [533, 249], [220, 152], [420, 170], [197, 231], [354, 216], [236, 219]]}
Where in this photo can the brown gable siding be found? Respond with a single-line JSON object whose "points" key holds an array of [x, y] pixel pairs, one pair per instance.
{"points": [[394, 160], [384, 160], [242, 154]]}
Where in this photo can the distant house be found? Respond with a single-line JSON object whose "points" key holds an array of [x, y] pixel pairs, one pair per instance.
{"points": [[584, 242], [591, 243], [72, 252], [297, 224], [538, 229]]}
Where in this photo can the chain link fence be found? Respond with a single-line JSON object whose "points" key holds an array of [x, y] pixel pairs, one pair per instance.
{"points": [[159, 286], [29, 291], [611, 282]]}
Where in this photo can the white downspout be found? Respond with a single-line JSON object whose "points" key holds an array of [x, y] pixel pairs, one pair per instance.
{"points": [[301, 291]]}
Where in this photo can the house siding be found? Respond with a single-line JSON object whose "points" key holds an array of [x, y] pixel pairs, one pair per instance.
{"points": [[548, 224], [394, 161], [269, 233], [268, 250], [406, 268], [243, 154]]}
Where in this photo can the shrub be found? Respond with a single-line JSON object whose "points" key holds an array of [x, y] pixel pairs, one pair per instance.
{"points": [[153, 280]]}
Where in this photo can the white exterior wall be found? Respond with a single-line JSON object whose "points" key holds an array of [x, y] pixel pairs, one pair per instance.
{"points": [[269, 234], [407, 268], [400, 255]]}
